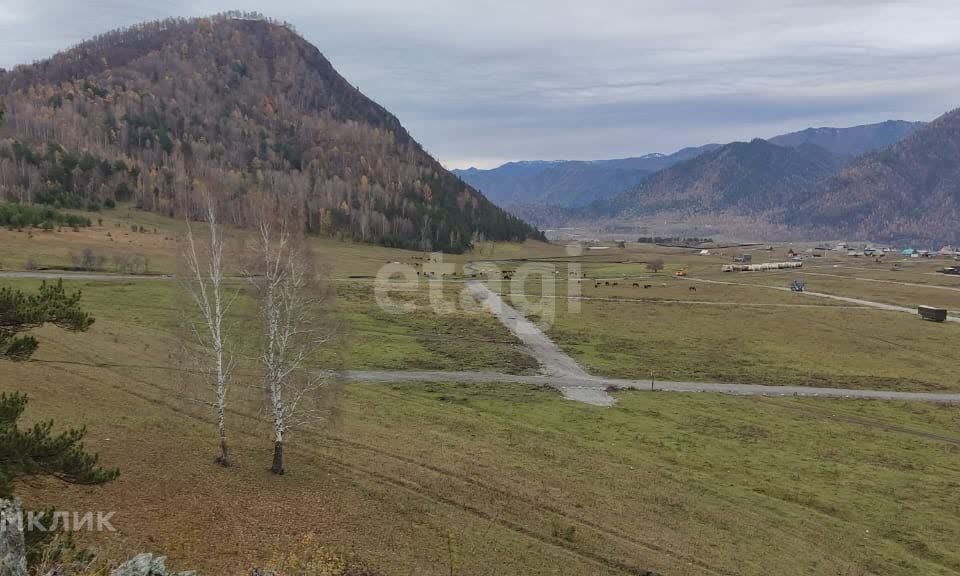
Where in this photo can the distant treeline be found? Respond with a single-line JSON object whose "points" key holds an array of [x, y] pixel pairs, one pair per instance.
{"points": [[15, 216], [681, 240]]}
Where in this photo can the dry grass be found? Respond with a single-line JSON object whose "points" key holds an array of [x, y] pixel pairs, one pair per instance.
{"points": [[434, 479]]}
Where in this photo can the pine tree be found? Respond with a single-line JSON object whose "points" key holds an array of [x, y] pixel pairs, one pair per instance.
{"points": [[20, 312], [37, 451]]}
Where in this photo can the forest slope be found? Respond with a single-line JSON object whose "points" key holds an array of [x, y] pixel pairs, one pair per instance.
{"points": [[156, 112]]}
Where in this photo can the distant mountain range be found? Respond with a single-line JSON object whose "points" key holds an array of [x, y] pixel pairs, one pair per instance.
{"points": [[907, 192], [892, 181], [575, 183], [569, 183], [743, 178], [850, 142]]}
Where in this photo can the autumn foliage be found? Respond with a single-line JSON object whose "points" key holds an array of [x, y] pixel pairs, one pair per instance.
{"points": [[238, 103]]}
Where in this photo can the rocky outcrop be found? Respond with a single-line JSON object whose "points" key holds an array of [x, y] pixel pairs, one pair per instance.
{"points": [[13, 550], [147, 565]]}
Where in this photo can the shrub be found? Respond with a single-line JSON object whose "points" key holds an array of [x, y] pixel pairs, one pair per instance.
{"points": [[87, 259]]}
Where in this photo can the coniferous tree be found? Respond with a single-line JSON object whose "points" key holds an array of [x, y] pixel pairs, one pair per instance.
{"points": [[36, 451], [20, 312]]}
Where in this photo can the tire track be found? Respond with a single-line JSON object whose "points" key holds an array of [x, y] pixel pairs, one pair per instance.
{"points": [[609, 532], [868, 422], [407, 485]]}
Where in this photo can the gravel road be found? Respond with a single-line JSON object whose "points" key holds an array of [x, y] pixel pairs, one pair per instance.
{"points": [[553, 361], [592, 386]]}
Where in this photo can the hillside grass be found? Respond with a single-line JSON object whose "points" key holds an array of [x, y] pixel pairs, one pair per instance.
{"points": [[494, 479], [439, 479]]}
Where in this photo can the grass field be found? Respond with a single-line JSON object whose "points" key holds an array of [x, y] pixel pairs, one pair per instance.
{"points": [[373, 338], [821, 346], [744, 333], [439, 479], [434, 479]]}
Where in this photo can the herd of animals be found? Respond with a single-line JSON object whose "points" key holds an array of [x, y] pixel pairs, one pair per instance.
{"points": [[598, 284], [508, 275]]}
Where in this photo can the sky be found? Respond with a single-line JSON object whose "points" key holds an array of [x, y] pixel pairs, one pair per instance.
{"points": [[481, 82]]}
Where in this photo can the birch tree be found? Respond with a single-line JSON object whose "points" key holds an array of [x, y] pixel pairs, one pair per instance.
{"points": [[296, 328], [203, 281]]}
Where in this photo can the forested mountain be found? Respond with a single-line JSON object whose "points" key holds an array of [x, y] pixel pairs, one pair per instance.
{"points": [[910, 191], [569, 183], [742, 178], [154, 112], [535, 189], [854, 141]]}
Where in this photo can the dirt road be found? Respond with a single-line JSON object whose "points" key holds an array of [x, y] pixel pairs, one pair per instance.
{"points": [[561, 371], [855, 301], [590, 387], [879, 281], [84, 276], [553, 361]]}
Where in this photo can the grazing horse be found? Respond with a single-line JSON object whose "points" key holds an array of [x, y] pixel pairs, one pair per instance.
{"points": [[635, 285], [693, 288], [647, 286]]}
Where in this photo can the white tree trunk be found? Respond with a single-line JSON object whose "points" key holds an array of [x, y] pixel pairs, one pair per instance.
{"points": [[292, 333], [206, 288]]}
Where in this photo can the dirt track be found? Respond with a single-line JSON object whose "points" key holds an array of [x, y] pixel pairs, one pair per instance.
{"points": [[855, 301], [564, 372], [596, 387], [86, 276]]}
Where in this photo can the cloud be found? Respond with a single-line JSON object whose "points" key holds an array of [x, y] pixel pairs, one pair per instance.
{"points": [[487, 80]]}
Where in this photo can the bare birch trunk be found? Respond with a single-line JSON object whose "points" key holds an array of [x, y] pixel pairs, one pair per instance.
{"points": [[206, 288], [293, 331]]}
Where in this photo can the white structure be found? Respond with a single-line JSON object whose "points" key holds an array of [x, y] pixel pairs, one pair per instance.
{"points": [[760, 267]]}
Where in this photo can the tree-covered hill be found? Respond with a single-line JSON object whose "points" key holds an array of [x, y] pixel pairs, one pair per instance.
{"points": [[909, 191], [233, 103]]}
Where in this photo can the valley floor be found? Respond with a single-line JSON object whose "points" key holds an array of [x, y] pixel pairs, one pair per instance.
{"points": [[439, 477]]}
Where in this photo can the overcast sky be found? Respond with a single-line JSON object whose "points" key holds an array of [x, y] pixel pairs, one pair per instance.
{"points": [[481, 82]]}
